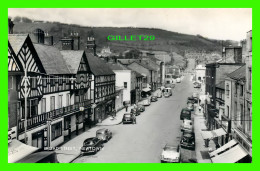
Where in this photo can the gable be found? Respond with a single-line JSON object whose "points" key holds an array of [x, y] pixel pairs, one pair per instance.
{"points": [[29, 58], [13, 62]]}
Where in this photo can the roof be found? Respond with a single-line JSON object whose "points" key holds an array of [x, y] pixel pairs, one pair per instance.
{"points": [[17, 41], [126, 61], [52, 59], [72, 59], [239, 74], [221, 85], [115, 66], [144, 65], [98, 66], [138, 74]]}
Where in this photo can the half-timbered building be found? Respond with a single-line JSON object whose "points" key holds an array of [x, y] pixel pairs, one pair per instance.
{"points": [[102, 88], [53, 89]]}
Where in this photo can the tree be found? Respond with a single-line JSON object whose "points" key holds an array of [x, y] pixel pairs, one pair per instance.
{"points": [[134, 53]]}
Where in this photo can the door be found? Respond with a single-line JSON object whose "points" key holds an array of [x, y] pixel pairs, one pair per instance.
{"points": [[38, 139]]}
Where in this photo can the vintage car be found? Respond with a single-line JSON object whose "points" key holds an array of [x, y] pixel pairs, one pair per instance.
{"points": [[171, 154], [141, 107], [129, 118], [104, 134], [91, 146], [154, 99], [135, 111], [167, 90], [178, 80], [188, 140], [187, 125], [185, 114]]}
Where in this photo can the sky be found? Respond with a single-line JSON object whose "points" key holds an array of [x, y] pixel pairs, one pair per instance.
{"points": [[215, 23]]}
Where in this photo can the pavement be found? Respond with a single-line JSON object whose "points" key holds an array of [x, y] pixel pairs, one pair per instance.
{"points": [[202, 152]]}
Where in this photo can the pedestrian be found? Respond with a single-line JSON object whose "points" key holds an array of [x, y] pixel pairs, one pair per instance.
{"points": [[126, 108]]}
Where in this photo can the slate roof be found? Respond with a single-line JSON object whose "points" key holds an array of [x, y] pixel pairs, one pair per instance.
{"points": [[72, 59], [238, 74], [98, 66], [144, 65], [114, 66], [17, 41], [126, 61], [221, 85], [51, 59]]}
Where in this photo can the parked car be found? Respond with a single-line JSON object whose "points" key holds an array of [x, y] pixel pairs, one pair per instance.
{"points": [[104, 134], [135, 111], [141, 107], [197, 85], [154, 99], [187, 125], [192, 100], [188, 140], [185, 114], [190, 106], [146, 101], [91, 146], [159, 94], [171, 154], [178, 80], [168, 90], [166, 95], [129, 118]]}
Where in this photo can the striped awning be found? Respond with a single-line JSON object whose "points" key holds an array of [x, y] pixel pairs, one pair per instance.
{"points": [[213, 134], [230, 156], [228, 145]]}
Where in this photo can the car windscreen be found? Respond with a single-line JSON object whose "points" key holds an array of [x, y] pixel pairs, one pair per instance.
{"points": [[169, 149], [88, 143]]}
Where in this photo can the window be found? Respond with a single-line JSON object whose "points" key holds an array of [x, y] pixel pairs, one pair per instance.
{"points": [[236, 88], [241, 114], [34, 107], [43, 107], [249, 118], [52, 81], [228, 111], [235, 112], [44, 82], [10, 82], [249, 79], [125, 84], [241, 90], [34, 82], [56, 130], [227, 90], [68, 99], [60, 101], [52, 105]]}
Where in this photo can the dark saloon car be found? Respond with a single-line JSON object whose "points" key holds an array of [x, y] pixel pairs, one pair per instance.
{"points": [[154, 99], [104, 134], [135, 111], [141, 108], [129, 118], [188, 140], [91, 146], [185, 114], [192, 100]]}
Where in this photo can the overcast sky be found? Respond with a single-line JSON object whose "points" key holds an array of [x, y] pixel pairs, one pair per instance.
{"points": [[217, 23]]}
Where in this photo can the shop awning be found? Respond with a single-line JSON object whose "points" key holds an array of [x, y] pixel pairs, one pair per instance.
{"points": [[18, 150], [228, 145], [230, 156], [146, 89], [212, 134]]}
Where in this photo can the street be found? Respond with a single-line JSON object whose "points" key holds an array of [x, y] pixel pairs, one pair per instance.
{"points": [[143, 142]]}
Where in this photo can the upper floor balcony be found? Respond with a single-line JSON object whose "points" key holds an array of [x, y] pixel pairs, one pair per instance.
{"points": [[40, 119]]}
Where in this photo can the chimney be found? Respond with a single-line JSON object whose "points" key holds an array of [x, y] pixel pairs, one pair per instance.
{"points": [[91, 45], [10, 26], [37, 36], [76, 40], [67, 43]]}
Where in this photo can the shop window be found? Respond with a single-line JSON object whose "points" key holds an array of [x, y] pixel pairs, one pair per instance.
{"points": [[34, 107], [56, 130], [125, 84]]}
